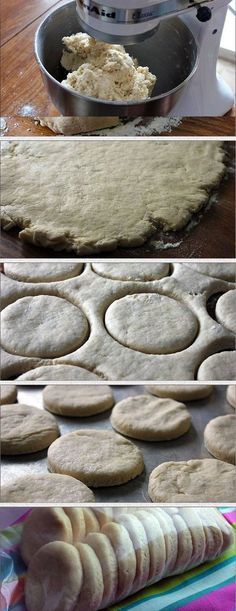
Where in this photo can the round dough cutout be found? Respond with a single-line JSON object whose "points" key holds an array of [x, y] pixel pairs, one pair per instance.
{"points": [[225, 310], [59, 372], [77, 400], [46, 488], [224, 271], [220, 437], [231, 395], [8, 394], [47, 327], [219, 366], [133, 272], [181, 392], [150, 419], [42, 272], [151, 323], [96, 457], [26, 429]]}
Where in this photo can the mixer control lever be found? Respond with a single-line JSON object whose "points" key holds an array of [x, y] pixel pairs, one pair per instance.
{"points": [[203, 13]]}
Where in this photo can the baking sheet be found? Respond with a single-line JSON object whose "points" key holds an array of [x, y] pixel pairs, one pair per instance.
{"points": [[186, 447]]}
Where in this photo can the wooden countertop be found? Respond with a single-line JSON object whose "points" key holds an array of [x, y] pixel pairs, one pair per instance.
{"points": [[212, 233], [23, 93]]}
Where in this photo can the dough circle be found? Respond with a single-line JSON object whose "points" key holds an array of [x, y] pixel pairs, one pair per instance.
{"points": [[47, 327], [224, 271], [150, 419], [8, 394], [181, 392], [231, 395], [193, 481], [46, 488], [160, 177], [26, 429], [77, 400], [225, 310], [151, 323], [133, 272], [96, 457], [59, 372], [220, 437], [219, 366], [42, 272]]}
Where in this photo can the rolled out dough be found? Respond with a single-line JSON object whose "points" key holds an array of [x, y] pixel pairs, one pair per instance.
{"points": [[100, 195]]}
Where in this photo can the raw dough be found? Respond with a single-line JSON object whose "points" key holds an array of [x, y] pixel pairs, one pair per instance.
{"points": [[58, 372], [78, 401], [225, 271], [70, 126], [26, 429], [220, 366], [226, 310], [180, 392], [99, 215], [143, 417], [42, 272], [104, 71], [46, 488], [220, 437], [96, 457], [54, 564], [193, 481], [8, 394], [64, 329], [231, 395], [134, 272], [151, 323]]}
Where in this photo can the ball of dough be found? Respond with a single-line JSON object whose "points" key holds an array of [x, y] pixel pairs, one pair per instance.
{"points": [[59, 372], [231, 395], [220, 437], [43, 326], [26, 429], [54, 578], [225, 310], [46, 488], [42, 272], [96, 457], [180, 392], [151, 323], [219, 366], [193, 481], [143, 417], [134, 272], [8, 394], [78, 401]]}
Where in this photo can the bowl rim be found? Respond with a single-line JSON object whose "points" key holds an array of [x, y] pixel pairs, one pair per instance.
{"points": [[115, 103]]}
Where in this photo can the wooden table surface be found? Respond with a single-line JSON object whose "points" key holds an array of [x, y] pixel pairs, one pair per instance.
{"points": [[23, 93], [210, 235]]}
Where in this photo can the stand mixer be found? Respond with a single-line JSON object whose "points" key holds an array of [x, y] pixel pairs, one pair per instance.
{"points": [[163, 35]]}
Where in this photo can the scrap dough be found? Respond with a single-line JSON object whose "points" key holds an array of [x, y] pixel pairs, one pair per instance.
{"points": [[143, 417], [64, 329], [231, 395], [220, 366], [8, 394], [226, 310], [151, 323], [59, 372], [71, 126], [134, 272], [96, 457], [42, 272], [180, 392], [104, 71], [26, 429], [78, 401], [193, 481], [220, 437], [46, 488], [56, 207]]}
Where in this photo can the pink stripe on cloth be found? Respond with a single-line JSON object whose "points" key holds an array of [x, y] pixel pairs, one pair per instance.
{"points": [[223, 598], [230, 516], [22, 517]]}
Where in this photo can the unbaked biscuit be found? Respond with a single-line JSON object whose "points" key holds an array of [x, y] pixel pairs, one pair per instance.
{"points": [[225, 310], [42, 272], [59, 372], [181, 392], [76, 400], [219, 366], [46, 488], [231, 395], [26, 429], [150, 419], [96, 457], [8, 394], [220, 437]]}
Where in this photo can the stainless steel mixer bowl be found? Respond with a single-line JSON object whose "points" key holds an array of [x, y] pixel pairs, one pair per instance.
{"points": [[171, 54]]}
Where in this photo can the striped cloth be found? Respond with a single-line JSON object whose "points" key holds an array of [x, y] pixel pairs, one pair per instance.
{"points": [[210, 587]]}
